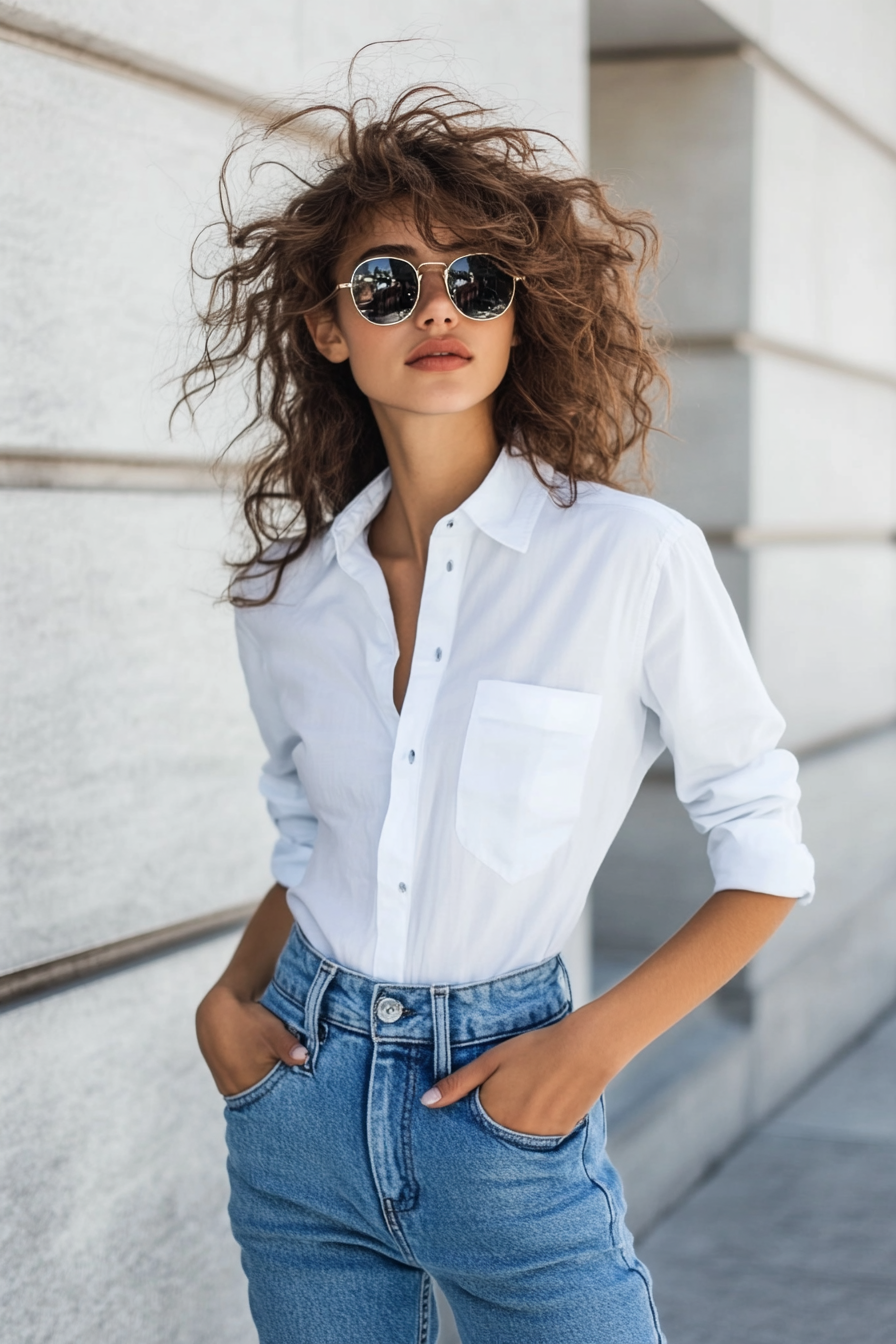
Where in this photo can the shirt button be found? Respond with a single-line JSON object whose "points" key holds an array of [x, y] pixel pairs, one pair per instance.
{"points": [[438, 655], [450, 566], [450, 522], [412, 756], [402, 886], [389, 1010]]}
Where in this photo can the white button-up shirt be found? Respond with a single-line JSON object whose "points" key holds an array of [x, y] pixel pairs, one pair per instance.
{"points": [[558, 651]]}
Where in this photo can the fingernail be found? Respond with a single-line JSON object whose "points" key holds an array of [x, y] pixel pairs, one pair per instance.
{"points": [[431, 1097], [298, 1053]]}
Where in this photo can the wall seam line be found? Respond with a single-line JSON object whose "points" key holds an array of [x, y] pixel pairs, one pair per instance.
{"points": [[43, 469], [125, 63], [752, 343], [79, 47], [758, 57]]}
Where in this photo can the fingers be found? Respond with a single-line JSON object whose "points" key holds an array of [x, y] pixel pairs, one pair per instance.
{"points": [[284, 1045], [456, 1085]]}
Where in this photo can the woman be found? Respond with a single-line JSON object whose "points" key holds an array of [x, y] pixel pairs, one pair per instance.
{"points": [[464, 647]]}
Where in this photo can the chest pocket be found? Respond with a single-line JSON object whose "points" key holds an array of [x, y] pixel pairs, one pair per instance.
{"points": [[522, 773]]}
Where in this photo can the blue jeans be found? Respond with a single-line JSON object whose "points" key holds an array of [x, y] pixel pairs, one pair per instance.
{"points": [[348, 1197]]}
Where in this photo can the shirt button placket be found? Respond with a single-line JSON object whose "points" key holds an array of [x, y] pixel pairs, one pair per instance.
{"points": [[437, 617]]}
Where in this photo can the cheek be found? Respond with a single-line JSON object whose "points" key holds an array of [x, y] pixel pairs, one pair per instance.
{"points": [[495, 349], [373, 357]]}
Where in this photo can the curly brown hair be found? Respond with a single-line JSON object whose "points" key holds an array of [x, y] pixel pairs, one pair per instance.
{"points": [[580, 388]]}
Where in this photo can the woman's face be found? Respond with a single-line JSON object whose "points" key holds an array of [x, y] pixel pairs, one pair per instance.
{"points": [[399, 367]]}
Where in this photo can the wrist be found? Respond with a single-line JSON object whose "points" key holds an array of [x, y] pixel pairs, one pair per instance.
{"points": [[597, 1042]]}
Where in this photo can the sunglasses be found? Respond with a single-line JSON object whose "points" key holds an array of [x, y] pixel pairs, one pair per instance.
{"points": [[385, 290]]}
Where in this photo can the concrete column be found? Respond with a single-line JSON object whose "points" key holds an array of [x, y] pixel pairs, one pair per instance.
{"points": [[772, 174]]}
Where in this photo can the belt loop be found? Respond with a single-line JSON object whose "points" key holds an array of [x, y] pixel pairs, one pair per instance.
{"points": [[319, 985], [441, 1031], [565, 982]]}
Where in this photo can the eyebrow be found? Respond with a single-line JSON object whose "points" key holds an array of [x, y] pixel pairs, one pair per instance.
{"points": [[399, 250], [384, 250]]}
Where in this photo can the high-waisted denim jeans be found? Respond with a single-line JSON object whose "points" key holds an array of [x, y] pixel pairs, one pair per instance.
{"points": [[349, 1196]]}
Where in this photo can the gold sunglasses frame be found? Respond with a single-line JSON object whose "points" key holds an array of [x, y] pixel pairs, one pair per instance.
{"points": [[446, 267]]}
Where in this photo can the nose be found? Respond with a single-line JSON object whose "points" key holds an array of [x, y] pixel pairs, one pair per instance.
{"points": [[435, 311]]}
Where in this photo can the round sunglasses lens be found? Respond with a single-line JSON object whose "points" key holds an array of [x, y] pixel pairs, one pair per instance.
{"points": [[384, 289], [479, 287]]}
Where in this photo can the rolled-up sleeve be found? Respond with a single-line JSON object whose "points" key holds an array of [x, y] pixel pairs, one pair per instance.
{"points": [[287, 802], [722, 729]]}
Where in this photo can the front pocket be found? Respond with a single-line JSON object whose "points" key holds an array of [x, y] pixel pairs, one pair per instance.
{"points": [[516, 1138], [235, 1101], [522, 773]]}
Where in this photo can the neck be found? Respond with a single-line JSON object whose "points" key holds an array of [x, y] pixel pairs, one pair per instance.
{"points": [[437, 461]]}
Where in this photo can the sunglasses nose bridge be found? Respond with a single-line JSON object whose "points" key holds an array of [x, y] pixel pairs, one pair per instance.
{"points": [[443, 266]]}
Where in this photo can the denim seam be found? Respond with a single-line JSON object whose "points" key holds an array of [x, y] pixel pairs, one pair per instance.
{"points": [[599, 1185], [425, 1309], [387, 1206], [393, 1223], [635, 1268], [411, 1198]]}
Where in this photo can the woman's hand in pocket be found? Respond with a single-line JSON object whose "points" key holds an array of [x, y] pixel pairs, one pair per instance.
{"points": [[241, 1041], [541, 1082]]}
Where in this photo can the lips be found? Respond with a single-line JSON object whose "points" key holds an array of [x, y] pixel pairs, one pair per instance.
{"points": [[435, 355]]}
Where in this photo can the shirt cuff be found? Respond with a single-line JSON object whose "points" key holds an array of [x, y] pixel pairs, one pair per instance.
{"points": [[289, 861], [761, 854]]}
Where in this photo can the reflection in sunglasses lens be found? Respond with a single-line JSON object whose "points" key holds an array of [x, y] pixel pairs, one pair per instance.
{"points": [[384, 289], [478, 286]]}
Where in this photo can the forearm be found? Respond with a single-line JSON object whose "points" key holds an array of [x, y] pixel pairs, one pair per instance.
{"points": [[252, 964], [696, 961]]}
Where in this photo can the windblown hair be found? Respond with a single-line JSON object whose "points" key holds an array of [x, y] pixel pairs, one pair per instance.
{"points": [[580, 388]]}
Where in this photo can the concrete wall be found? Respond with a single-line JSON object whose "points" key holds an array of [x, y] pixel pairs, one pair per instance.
{"points": [[128, 759]]}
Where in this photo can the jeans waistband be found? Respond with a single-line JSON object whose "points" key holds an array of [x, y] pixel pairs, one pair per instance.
{"points": [[308, 989]]}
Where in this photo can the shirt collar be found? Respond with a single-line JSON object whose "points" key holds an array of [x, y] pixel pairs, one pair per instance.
{"points": [[505, 506]]}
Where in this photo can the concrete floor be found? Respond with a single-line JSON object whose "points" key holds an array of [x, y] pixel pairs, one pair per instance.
{"points": [[793, 1239]]}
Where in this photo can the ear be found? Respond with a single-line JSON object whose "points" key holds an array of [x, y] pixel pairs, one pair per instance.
{"points": [[326, 335]]}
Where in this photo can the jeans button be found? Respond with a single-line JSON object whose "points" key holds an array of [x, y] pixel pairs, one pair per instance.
{"points": [[388, 1010]]}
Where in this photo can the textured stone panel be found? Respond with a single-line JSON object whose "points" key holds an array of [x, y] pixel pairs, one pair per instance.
{"points": [[214, 40], [112, 1175], [845, 49], [501, 50], [129, 756], [702, 466], [824, 448], [823, 630], [106, 184], [674, 137], [824, 251]]}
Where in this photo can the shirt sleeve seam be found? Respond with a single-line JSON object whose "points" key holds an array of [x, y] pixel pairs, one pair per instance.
{"points": [[668, 543]]}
